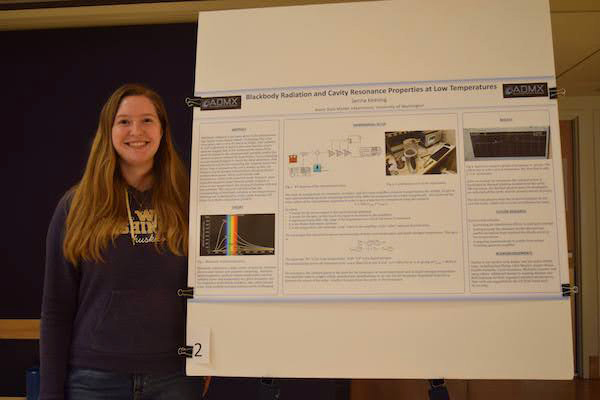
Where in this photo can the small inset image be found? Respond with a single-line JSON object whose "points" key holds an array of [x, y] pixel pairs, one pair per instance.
{"points": [[237, 235], [507, 143], [420, 152]]}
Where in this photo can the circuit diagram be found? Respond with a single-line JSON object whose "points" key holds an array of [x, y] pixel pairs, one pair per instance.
{"points": [[319, 161]]}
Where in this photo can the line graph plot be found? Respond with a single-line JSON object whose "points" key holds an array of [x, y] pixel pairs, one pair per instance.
{"points": [[237, 235]]}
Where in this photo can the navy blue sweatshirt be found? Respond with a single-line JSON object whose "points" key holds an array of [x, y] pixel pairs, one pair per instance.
{"points": [[122, 314]]}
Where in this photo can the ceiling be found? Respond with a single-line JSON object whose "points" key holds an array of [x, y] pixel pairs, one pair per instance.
{"points": [[575, 26]]}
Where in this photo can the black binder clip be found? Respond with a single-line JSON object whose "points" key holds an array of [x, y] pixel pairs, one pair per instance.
{"points": [[438, 390], [193, 101], [187, 292], [553, 93], [185, 351], [567, 289]]}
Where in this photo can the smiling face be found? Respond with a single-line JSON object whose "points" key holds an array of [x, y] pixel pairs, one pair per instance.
{"points": [[136, 134]]}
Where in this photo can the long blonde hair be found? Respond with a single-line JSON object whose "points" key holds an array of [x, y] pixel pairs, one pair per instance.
{"points": [[98, 209]]}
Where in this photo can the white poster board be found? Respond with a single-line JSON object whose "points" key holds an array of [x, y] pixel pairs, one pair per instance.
{"points": [[318, 124]]}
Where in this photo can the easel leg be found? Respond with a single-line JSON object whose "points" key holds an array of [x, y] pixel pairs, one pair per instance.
{"points": [[269, 389], [438, 390]]}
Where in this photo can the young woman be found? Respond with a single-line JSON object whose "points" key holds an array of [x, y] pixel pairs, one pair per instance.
{"points": [[115, 257]]}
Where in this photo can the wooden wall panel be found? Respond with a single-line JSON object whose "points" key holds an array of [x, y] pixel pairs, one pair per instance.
{"points": [[401, 389], [378, 389], [19, 328]]}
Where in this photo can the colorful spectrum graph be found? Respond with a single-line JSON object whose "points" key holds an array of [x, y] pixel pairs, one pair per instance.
{"points": [[237, 235], [232, 235]]}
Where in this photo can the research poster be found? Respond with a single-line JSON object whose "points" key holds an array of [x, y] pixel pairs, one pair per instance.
{"points": [[380, 176], [397, 190]]}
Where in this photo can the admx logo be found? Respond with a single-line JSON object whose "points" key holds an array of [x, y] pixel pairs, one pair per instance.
{"points": [[221, 103], [536, 89]]}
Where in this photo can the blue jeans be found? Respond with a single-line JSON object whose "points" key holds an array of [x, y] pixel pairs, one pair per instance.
{"points": [[92, 384]]}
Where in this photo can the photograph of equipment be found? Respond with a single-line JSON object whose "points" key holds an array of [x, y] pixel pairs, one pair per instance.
{"points": [[420, 152]]}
